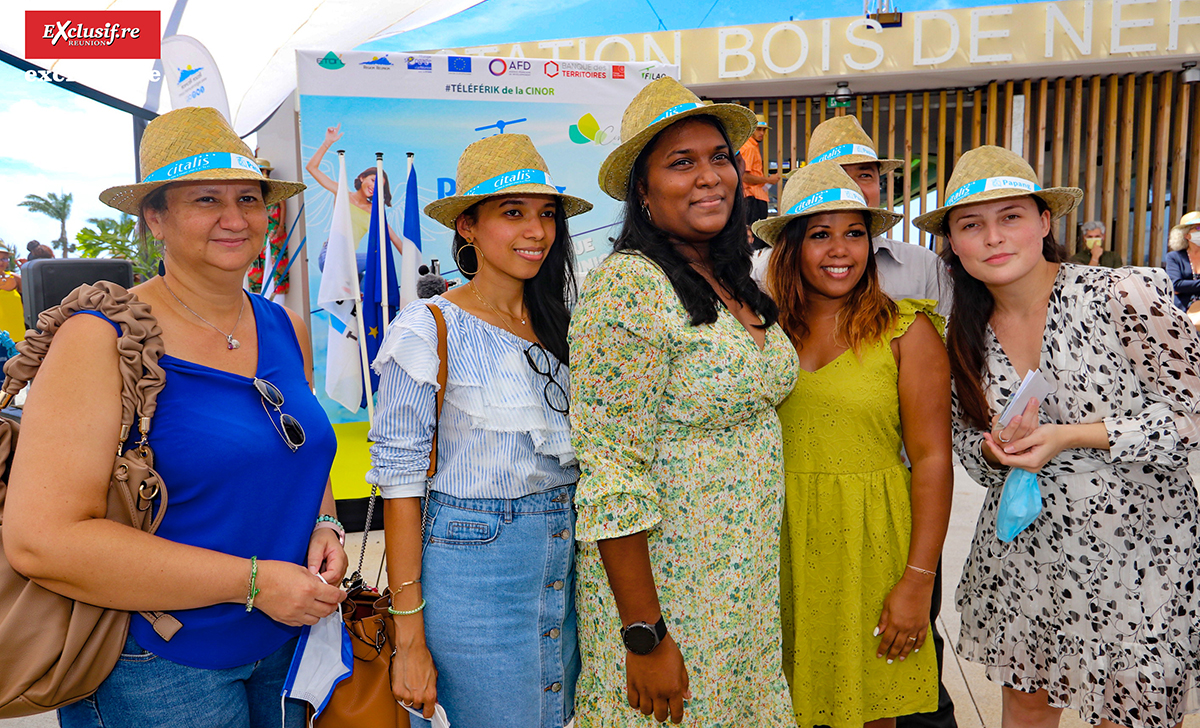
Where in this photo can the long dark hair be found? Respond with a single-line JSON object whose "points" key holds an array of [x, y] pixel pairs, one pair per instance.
{"points": [[966, 332], [547, 293], [387, 187], [867, 314], [728, 250]]}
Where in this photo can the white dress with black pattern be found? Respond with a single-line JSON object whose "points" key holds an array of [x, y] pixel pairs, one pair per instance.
{"points": [[1097, 601]]}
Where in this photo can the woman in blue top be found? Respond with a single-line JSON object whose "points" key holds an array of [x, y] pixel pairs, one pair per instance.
{"points": [[1183, 260], [241, 558], [483, 583]]}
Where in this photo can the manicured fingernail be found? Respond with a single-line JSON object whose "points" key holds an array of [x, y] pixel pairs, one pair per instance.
{"points": [[878, 655], [889, 661], [875, 633], [1008, 450], [917, 649], [901, 659]]}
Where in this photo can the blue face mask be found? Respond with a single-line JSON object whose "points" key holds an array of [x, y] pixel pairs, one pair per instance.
{"points": [[324, 657]]}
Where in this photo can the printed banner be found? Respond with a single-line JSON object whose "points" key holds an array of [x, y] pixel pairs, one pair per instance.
{"points": [[433, 106]]}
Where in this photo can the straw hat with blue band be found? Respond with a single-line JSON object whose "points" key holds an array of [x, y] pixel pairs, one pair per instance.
{"points": [[994, 173], [190, 145], [818, 188], [657, 106], [502, 164], [843, 140]]}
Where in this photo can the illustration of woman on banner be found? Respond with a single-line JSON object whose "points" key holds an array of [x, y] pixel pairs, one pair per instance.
{"points": [[360, 196]]}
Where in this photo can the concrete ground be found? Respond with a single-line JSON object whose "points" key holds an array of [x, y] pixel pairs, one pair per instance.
{"points": [[976, 701]]}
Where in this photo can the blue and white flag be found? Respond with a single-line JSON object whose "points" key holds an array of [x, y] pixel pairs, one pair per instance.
{"points": [[411, 255], [375, 318], [339, 295], [324, 657]]}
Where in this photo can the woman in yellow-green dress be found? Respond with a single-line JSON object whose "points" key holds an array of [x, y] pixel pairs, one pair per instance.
{"points": [[861, 537]]}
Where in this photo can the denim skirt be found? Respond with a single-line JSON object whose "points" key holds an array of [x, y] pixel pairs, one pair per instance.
{"points": [[499, 579]]}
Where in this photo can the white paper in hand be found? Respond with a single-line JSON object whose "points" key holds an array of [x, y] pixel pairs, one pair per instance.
{"points": [[1033, 386], [439, 719]]}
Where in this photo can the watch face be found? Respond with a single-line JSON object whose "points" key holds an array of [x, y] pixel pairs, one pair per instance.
{"points": [[640, 638]]}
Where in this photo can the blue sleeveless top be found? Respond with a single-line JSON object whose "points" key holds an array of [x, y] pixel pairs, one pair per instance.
{"points": [[234, 486]]}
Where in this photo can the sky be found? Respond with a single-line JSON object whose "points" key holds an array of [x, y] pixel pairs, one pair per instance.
{"points": [[54, 141]]}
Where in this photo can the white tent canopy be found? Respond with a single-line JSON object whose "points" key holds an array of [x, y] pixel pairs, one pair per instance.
{"points": [[252, 42]]}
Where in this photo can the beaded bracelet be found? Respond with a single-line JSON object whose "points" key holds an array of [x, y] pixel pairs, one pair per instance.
{"points": [[253, 591], [334, 525], [399, 613]]}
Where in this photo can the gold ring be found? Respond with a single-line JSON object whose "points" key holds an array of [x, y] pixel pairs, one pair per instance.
{"points": [[406, 705]]}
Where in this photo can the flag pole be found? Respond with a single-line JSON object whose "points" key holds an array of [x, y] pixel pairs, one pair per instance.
{"points": [[384, 242], [358, 323]]}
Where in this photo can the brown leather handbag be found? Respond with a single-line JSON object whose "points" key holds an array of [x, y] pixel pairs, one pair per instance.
{"points": [[365, 699], [55, 650]]}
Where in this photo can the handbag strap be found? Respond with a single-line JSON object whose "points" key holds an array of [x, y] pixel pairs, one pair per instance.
{"points": [[439, 321], [138, 348]]}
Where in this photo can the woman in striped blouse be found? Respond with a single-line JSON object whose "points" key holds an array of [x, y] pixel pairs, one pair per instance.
{"points": [[483, 583]]}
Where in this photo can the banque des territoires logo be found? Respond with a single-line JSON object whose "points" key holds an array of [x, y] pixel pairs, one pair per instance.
{"points": [[93, 34], [331, 61]]}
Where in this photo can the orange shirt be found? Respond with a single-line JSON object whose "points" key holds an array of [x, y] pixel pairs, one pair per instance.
{"points": [[754, 165]]}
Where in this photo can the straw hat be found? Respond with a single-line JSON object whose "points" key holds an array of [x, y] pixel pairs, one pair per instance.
{"points": [[657, 106], [190, 144], [1188, 220], [843, 140], [762, 122], [502, 164], [822, 187], [994, 173]]}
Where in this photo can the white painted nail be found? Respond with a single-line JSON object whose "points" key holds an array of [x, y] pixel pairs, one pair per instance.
{"points": [[876, 632], [917, 649], [889, 662]]}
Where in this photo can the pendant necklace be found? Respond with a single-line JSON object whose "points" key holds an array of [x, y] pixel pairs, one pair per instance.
{"points": [[495, 310], [229, 340]]}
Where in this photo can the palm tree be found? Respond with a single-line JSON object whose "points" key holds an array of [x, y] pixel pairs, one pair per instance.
{"points": [[118, 238], [57, 207]]}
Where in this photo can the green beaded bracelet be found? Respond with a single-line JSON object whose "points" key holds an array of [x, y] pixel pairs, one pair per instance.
{"points": [[253, 591], [399, 613]]}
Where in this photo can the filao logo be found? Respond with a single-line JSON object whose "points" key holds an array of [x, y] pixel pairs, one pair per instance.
{"points": [[92, 34]]}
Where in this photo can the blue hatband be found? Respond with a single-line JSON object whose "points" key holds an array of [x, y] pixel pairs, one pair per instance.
{"points": [[676, 110], [843, 150], [200, 163], [835, 195], [510, 179], [991, 183]]}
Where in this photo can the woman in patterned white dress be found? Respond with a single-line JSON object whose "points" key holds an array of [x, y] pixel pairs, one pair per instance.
{"points": [[1094, 605]]}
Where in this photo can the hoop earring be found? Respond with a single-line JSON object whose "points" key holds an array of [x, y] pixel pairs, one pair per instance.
{"points": [[457, 253], [646, 211]]}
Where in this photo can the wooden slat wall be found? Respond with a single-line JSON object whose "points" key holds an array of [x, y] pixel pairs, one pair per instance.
{"points": [[1073, 128]]}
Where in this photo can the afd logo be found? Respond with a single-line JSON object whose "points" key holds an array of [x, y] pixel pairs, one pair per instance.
{"points": [[458, 64], [499, 67]]}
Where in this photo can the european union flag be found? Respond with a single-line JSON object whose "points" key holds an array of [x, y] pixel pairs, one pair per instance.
{"points": [[375, 319], [459, 64]]}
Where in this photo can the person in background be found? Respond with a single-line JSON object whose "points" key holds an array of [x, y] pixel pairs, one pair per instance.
{"points": [[249, 549], [12, 311], [678, 368], [481, 559], [1094, 250], [1092, 606], [754, 178], [37, 251], [1183, 260], [862, 537], [430, 284]]}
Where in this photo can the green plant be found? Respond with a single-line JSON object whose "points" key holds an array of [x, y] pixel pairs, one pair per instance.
{"points": [[53, 206], [118, 238]]}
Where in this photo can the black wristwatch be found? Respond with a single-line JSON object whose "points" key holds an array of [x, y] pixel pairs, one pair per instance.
{"points": [[642, 637]]}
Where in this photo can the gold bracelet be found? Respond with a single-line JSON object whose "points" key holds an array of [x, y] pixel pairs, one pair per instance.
{"points": [[919, 570], [400, 588]]}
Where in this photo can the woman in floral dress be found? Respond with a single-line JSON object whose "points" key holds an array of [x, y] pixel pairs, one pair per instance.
{"points": [[1094, 605], [679, 368]]}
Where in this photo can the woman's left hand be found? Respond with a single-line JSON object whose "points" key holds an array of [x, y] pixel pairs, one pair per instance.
{"points": [[904, 621], [326, 557], [1034, 450]]}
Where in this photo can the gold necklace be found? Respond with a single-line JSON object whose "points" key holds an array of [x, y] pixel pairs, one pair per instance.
{"points": [[496, 311]]}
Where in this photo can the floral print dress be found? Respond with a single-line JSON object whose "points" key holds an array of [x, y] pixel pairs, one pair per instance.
{"points": [[1096, 602], [675, 429]]}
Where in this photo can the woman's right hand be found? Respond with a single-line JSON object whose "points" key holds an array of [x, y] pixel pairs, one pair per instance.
{"points": [[291, 594], [332, 134], [657, 683], [414, 677], [1018, 428]]}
